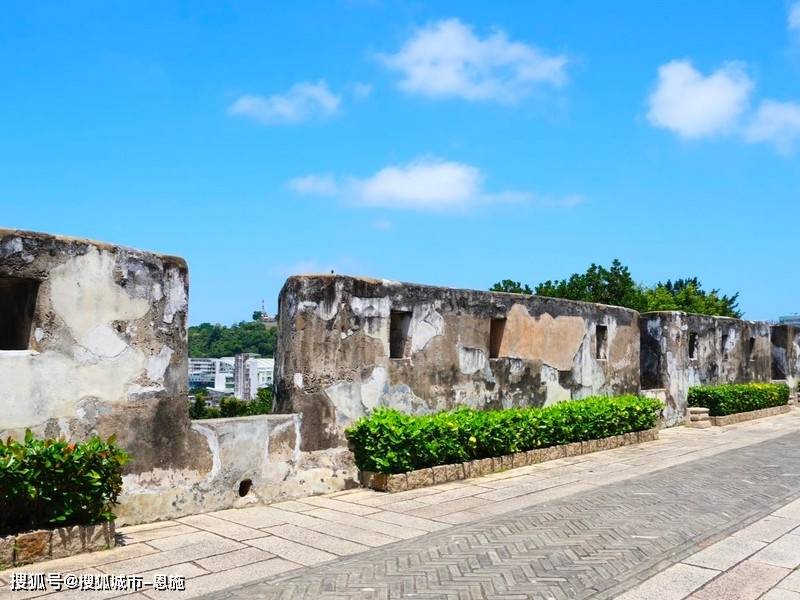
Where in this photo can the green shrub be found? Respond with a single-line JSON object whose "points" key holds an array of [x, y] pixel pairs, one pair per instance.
{"points": [[738, 397], [389, 441], [232, 407], [52, 483]]}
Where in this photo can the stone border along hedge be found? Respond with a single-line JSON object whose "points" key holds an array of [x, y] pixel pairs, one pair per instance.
{"points": [[750, 415], [385, 482], [44, 544]]}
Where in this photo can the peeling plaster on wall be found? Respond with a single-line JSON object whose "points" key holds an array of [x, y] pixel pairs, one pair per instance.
{"points": [[157, 365], [448, 343], [556, 339], [353, 400], [471, 360], [264, 449], [666, 361], [371, 307], [213, 446], [177, 300], [786, 354], [426, 324], [101, 360], [85, 296], [554, 391]]}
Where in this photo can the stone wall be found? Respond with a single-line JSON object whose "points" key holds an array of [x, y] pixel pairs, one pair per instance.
{"points": [[680, 350], [786, 355], [253, 460], [347, 345], [93, 340]]}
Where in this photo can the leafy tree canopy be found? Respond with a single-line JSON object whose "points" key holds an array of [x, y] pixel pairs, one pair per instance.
{"points": [[615, 285], [511, 287], [213, 341]]}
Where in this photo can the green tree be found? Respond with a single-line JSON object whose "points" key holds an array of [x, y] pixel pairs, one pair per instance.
{"points": [[197, 410], [213, 341], [615, 286], [512, 287], [687, 295]]}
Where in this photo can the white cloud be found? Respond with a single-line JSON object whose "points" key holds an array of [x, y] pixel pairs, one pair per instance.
{"points": [[693, 105], [299, 103], [446, 58], [428, 183], [777, 123], [794, 17], [320, 185]]}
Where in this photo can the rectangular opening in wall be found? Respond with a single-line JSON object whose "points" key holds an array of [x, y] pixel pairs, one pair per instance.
{"points": [[692, 345], [496, 330], [399, 325], [751, 348], [601, 342], [723, 346], [17, 303]]}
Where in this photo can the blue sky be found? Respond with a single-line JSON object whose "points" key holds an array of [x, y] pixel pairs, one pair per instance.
{"points": [[450, 143]]}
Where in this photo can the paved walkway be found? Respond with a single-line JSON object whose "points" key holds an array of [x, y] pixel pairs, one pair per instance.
{"points": [[590, 526]]}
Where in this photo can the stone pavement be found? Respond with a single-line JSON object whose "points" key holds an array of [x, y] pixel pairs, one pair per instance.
{"points": [[595, 525]]}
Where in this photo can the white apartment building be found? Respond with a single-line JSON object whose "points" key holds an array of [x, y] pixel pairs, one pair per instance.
{"points": [[214, 373]]}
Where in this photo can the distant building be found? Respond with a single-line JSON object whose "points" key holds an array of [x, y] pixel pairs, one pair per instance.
{"points": [[224, 378], [241, 375], [261, 372], [263, 316], [790, 320], [251, 373], [212, 373], [202, 372]]}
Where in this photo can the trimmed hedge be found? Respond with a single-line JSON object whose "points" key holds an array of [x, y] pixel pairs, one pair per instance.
{"points": [[46, 483], [388, 441], [734, 398]]}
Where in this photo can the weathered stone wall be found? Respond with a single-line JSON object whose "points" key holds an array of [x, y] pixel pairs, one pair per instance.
{"points": [[103, 349], [680, 350], [93, 341], [253, 459], [336, 339], [786, 355]]}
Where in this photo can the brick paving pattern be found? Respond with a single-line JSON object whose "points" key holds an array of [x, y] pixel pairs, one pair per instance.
{"points": [[594, 544], [228, 549]]}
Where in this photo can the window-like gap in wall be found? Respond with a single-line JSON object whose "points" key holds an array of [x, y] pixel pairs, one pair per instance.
{"points": [[601, 342], [399, 325], [692, 345], [723, 346], [17, 304], [496, 330], [751, 347]]}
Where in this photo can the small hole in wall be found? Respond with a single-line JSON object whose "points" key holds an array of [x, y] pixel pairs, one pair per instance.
{"points": [[692, 345], [244, 487], [496, 330], [399, 324], [751, 348], [601, 342], [17, 305]]}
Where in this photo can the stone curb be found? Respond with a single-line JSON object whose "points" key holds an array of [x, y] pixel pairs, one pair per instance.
{"points": [[750, 415], [43, 544], [410, 480]]}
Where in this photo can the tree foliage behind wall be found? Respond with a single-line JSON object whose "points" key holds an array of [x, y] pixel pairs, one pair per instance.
{"points": [[213, 341], [615, 285]]}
